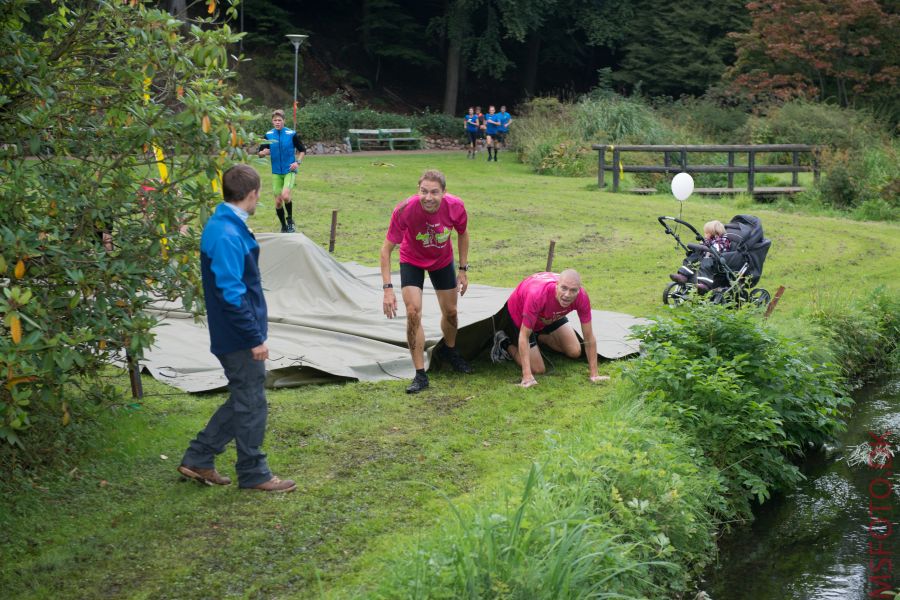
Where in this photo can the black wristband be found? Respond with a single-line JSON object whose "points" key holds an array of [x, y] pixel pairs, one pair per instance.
{"points": [[465, 267], [387, 286]]}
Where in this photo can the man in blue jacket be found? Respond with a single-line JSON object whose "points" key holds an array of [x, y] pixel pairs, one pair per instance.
{"points": [[287, 152], [238, 327]]}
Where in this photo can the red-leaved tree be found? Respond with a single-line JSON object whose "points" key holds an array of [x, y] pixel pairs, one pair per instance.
{"points": [[846, 50]]}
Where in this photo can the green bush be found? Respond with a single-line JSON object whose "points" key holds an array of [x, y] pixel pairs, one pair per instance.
{"points": [[708, 120], [801, 122], [568, 158], [83, 255], [838, 186], [329, 118], [865, 178], [439, 125], [749, 398]]}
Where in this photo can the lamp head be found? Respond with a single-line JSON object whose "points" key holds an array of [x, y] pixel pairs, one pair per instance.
{"points": [[297, 39]]}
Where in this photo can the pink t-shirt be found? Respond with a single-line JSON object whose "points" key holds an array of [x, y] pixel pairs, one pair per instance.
{"points": [[424, 237], [533, 303]]}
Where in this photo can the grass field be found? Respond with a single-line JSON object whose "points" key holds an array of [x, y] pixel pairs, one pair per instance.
{"points": [[375, 466]]}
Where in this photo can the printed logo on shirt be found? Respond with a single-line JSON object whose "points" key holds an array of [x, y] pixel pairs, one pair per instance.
{"points": [[432, 238]]}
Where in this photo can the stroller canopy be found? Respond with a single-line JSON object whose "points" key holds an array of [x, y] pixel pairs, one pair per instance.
{"points": [[748, 244]]}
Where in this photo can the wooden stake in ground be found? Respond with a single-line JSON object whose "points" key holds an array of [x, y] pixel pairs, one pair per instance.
{"points": [[333, 230], [550, 255], [774, 301]]}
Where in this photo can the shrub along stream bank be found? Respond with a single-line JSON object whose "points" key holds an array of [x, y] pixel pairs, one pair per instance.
{"points": [[713, 417]]}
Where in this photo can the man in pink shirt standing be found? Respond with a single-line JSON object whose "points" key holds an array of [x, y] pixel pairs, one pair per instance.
{"points": [[422, 225], [538, 309]]}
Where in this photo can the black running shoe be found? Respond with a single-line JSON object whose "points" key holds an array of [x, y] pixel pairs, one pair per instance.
{"points": [[290, 226], [456, 361], [498, 352], [419, 383], [284, 229]]}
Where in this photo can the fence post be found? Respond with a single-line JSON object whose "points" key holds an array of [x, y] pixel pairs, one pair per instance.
{"points": [[601, 167], [550, 256], [333, 230], [794, 181], [615, 169], [751, 170], [815, 160], [683, 158], [667, 161], [731, 164]]}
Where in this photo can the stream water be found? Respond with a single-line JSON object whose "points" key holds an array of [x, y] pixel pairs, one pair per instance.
{"points": [[819, 541]]}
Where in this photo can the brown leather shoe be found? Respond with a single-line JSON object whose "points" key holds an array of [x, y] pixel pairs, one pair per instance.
{"points": [[204, 476], [276, 485]]}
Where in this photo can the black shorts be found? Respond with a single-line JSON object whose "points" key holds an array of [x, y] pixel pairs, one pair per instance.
{"points": [[500, 136], [533, 338], [473, 136], [442, 279], [481, 134]]}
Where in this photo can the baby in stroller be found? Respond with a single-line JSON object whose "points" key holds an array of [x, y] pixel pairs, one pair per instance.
{"points": [[727, 264], [713, 237]]}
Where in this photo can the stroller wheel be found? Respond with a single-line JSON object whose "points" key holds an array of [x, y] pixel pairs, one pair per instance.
{"points": [[675, 294], [718, 297], [760, 297]]}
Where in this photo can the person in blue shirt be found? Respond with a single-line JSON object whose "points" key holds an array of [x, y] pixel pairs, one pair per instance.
{"points": [[471, 126], [287, 152], [481, 125], [492, 126], [237, 318], [505, 120]]}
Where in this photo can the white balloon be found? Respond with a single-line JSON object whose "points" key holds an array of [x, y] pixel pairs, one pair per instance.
{"points": [[682, 186]]}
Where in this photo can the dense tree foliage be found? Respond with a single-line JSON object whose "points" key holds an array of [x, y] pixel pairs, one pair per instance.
{"points": [[96, 99], [846, 50], [450, 52], [678, 48]]}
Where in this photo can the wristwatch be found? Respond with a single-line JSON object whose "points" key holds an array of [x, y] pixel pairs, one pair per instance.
{"points": [[387, 286], [465, 267]]}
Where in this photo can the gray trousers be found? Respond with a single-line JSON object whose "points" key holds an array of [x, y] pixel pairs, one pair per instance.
{"points": [[241, 418]]}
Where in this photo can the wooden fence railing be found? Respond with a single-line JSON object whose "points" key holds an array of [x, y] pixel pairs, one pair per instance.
{"points": [[681, 164]]}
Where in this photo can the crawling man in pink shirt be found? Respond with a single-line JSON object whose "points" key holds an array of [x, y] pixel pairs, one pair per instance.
{"points": [[538, 309], [422, 225]]}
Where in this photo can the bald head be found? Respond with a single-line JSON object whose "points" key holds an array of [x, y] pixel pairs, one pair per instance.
{"points": [[567, 287], [571, 276]]}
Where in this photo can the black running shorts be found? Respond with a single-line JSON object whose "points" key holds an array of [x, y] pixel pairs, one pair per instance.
{"points": [[533, 338], [442, 279]]}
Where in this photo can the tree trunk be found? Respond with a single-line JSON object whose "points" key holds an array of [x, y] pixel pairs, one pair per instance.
{"points": [[531, 64], [451, 91]]}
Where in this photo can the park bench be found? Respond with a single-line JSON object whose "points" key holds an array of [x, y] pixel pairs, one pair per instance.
{"points": [[376, 139]]}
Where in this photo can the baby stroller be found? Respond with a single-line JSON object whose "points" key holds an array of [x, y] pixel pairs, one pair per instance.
{"points": [[726, 277]]}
